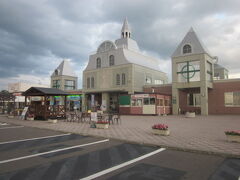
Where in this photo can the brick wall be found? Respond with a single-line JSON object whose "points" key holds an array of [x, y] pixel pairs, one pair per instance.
{"points": [[216, 97]]}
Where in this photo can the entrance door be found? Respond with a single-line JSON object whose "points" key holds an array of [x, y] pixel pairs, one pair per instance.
{"points": [[114, 102], [149, 106]]}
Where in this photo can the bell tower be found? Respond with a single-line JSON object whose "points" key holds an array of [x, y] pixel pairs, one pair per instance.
{"points": [[192, 75], [126, 30]]}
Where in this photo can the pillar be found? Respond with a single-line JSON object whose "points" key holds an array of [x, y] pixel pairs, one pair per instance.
{"points": [[204, 100], [83, 99], [175, 100], [105, 101]]}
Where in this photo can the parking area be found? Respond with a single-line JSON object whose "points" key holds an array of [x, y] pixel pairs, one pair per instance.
{"points": [[32, 153]]}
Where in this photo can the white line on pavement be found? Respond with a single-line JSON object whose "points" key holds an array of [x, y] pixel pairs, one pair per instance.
{"points": [[30, 139], [53, 151], [3, 124], [12, 127], [121, 165]]}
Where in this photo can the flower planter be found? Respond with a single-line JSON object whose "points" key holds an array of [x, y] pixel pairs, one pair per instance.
{"points": [[30, 118], [190, 114], [233, 138], [102, 126], [52, 120], [161, 132]]}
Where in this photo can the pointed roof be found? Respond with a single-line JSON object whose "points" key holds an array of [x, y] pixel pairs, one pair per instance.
{"points": [[192, 39], [64, 69], [126, 26], [39, 91]]}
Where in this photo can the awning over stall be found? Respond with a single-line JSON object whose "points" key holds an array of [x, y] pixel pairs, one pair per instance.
{"points": [[43, 109]]}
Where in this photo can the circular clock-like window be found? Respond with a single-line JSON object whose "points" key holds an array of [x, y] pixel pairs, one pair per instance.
{"points": [[188, 71], [106, 46]]}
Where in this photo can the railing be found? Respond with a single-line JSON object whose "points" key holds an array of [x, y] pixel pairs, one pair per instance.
{"points": [[47, 111]]}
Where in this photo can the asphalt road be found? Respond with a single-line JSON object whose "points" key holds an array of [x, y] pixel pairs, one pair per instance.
{"points": [[32, 153]]}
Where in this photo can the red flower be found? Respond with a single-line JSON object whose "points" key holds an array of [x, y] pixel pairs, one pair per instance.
{"points": [[236, 133], [160, 126], [102, 122]]}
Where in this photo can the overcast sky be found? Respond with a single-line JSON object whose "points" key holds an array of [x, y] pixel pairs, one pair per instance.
{"points": [[36, 35]]}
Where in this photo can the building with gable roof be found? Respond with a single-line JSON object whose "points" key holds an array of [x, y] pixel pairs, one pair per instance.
{"points": [[199, 84], [192, 71], [64, 77], [118, 68]]}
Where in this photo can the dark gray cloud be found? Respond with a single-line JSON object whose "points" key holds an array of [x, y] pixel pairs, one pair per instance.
{"points": [[36, 35]]}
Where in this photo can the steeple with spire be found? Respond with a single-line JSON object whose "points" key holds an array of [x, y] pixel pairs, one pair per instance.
{"points": [[126, 29], [126, 41]]}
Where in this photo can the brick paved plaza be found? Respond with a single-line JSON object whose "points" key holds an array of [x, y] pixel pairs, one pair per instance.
{"points": [[202, 133]]}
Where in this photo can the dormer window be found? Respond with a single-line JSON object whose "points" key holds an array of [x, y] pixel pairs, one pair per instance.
{"points": [[98, 65], [56, 72], [111, 60], [187, 49]]}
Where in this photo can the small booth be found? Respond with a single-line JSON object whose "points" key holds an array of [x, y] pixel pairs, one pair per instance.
{"points": [[43, 105], [148, 104]]}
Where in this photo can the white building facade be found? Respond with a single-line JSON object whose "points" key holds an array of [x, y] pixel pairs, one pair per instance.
{"points": [[118, 68]]}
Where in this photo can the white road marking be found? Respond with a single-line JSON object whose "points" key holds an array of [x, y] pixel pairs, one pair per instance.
{"points": [[11, 127], [3, 124], [53, 151], [31, 139], [122, 165]]}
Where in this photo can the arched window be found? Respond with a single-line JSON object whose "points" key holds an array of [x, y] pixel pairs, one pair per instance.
{"points": [[126, 34], [117, 79], [111, 60], [122, 34], [187, 49], [123, 79], [92, 82], [98, 62], [88, 82]]}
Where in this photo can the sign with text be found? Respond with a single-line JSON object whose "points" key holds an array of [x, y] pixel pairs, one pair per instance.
{"points": [[24, 112]]}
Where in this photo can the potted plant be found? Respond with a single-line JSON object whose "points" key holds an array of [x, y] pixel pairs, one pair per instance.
{"points": [[160, 129], [233, 136], [53, 119], [102, 124], [190, 114], [30, 117]]}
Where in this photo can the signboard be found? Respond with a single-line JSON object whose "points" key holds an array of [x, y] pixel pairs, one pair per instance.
{"points": [[20, 99], [94, 116], [36, 98], [17, 94], [24, 112], [124, 100], [73, 97], [104, 105], [57, 98], [140, 95]]}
